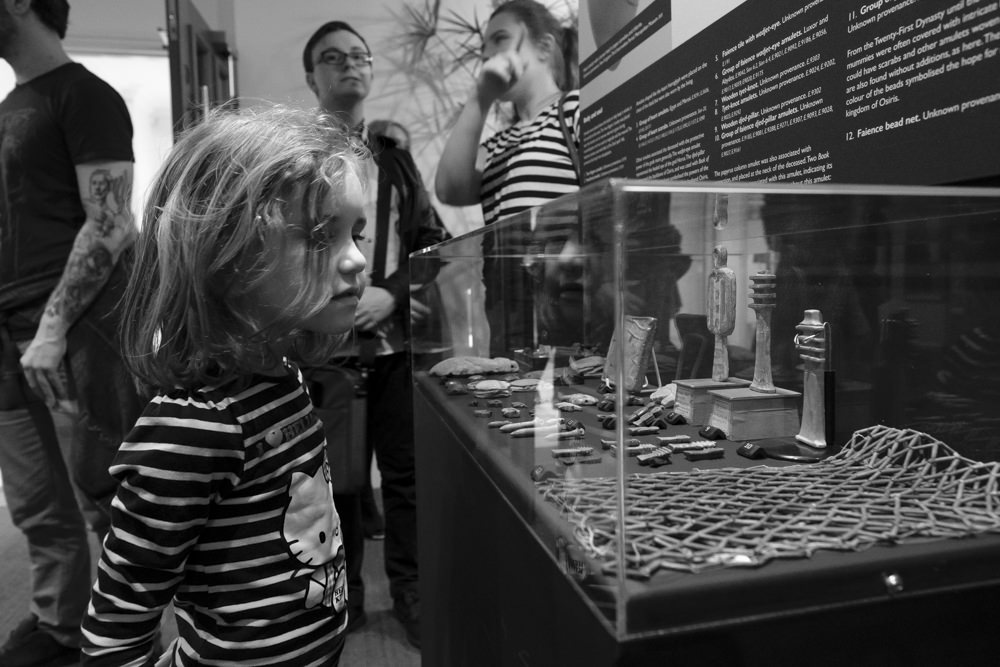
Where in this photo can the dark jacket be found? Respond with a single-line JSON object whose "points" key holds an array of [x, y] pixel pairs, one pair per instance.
{"points": [[419, 223]]}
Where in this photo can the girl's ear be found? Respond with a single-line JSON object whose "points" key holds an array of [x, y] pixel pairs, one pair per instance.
{"points": [[546, 47]]}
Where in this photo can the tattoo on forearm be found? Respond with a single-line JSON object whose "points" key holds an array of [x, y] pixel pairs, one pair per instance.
{"points": [[108, 200], [86, 272]]}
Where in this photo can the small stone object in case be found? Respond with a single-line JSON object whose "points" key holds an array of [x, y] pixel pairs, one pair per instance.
{"points": [[524, 384], [751, 450], [540, 473], [705, 454], [643, 430], [580, 399], [550, 426], [483, 413], [650, 417], [675, 418], [635, 450], [672, 439], [516, 426], [560, 452], [574, 434], [512, 413], [532, 431], [658, 456], [607, 421], [498, 424], [637, 414], [489, 388], [712, 433], [611, 444], [518, 404], [494, 403], [454, 387], [691, 446], [606, 405], [659, 462]]}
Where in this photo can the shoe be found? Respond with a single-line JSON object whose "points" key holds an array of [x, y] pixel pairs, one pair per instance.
{"points": [[356, 619], [372, 521], [29, 646], [406, 609]]}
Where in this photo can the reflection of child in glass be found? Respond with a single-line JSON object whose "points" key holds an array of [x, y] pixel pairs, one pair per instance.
{"points": [[246, 257]]}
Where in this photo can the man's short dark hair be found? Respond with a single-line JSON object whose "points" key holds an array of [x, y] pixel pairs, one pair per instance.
{"points": [[321, 32], [53, 13]]}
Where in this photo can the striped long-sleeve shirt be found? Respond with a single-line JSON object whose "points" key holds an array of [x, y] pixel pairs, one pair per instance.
{"points": [[225, 507], [528, 163]]}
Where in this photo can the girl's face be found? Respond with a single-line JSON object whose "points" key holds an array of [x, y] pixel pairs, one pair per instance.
{"points": [[505, 33], [342, 226]]}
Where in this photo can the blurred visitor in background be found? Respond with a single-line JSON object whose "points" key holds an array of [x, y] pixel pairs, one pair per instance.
{"points": [[339, 68]]}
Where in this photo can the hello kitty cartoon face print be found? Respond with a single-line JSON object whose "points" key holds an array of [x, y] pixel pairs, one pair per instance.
{"points": [[312, 531]]}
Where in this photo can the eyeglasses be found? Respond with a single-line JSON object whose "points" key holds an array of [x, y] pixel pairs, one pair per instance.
{"points": [[337, 58]]}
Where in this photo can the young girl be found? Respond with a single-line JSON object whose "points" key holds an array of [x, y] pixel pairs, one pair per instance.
{"points": [[246, 257], [528, 60]]}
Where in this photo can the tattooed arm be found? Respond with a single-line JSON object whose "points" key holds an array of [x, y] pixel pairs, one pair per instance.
{"points": [[106, 192]]}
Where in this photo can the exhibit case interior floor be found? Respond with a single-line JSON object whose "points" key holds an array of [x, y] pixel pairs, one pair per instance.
{"points": [[710, 421]]}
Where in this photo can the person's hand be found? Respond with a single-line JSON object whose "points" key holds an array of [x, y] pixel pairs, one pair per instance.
{"points": [[499, 74], [43, 368], [376, 304], [418, 310]]}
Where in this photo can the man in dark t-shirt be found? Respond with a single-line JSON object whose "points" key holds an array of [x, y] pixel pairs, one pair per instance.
{"points": [[65, 400]]}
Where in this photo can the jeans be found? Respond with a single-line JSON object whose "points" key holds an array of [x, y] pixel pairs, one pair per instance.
{"points": [[43, 505]]}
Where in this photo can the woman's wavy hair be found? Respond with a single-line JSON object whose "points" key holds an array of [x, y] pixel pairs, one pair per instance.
{"points": [[540, 22], [215, 225]]}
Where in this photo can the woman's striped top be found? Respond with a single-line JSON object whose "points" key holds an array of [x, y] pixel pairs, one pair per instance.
{"points": [[528, 163], [225, 507]]}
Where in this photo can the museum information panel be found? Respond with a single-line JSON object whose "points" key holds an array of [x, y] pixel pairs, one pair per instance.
{"points": [[889, 91]]}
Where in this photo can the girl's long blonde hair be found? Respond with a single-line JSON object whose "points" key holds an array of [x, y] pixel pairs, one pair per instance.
{"points": [[214, 227]]}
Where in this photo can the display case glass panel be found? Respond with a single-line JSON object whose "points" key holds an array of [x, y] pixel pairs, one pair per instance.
{"points": [[715, 402]]}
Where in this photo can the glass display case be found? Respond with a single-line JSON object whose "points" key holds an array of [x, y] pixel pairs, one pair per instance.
{"points": [[680, 412]]}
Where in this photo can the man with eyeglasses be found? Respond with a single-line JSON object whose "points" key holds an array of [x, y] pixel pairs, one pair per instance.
{"points": [[339, 69]]}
